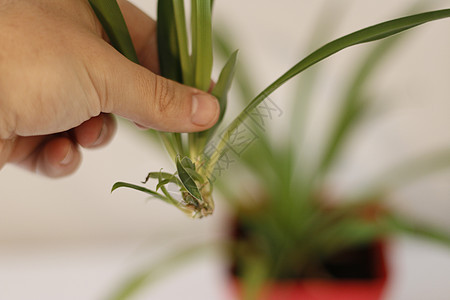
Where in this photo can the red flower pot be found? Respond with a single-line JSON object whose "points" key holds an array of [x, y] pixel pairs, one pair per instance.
{"points": [[329, 289]]}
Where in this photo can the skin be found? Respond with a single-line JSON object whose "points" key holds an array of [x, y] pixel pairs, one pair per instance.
{"points": [[60, 81]]}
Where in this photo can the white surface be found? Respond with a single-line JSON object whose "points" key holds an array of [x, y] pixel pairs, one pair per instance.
{"points": [[419, 270], [70, 239]]}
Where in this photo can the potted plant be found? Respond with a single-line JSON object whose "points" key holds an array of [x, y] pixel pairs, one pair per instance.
{"points": [[292, 213], [293, 237]]}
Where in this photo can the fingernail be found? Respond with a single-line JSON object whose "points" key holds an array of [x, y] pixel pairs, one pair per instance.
{"points": [[205, 109], [68, 158], [102, 135]]}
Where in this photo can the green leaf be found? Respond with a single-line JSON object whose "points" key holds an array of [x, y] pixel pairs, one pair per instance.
{"points": [[164, 176], [223, 48], [400, 225], [187, 163], [220, 91], [186, 179], [194, 35], [202, 54], [156, 271], [330, 17], [180, 21], [353, 104], [255, 275], [162, 183], [189, 166], [111, 18], [368, 34], [168, 48], [351, 232], [139, 188], [405, 173], [195, 175]]}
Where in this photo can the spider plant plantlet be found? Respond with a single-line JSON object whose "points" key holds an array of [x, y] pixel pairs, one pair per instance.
{"points": [[190, 63]]}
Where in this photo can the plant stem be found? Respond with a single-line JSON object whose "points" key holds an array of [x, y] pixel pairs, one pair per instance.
{"points": [[169, 196], [193, 150], [167, 141], [178, 143]]}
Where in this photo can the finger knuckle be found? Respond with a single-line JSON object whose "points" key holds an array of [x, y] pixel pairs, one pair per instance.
{"points": [[164, 96]]}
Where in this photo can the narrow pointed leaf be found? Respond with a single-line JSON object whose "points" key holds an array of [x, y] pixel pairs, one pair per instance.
{"points": [[187, 180], [223, 48], [139, 188], [220, 91], [111, 18]]}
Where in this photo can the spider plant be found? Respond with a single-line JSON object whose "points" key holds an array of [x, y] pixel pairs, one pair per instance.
{"points": [[192, 66], [291, 225]]}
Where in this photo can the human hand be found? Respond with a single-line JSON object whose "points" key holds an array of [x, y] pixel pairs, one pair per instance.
{"points": [[60, 79]]}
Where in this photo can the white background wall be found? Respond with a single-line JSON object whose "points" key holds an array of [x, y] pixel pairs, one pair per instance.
{"points": [[71, 239]]}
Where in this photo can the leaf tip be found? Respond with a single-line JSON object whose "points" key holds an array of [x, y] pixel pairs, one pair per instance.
{"points": [[116, 186]]}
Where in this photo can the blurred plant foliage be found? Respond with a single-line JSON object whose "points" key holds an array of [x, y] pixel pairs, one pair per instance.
{"points": [[289, 227]]}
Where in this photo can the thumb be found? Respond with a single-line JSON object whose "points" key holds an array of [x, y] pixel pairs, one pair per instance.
{"points": [[135, 93]]}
